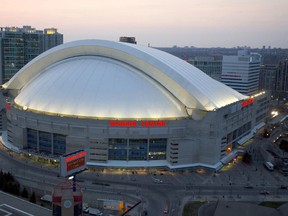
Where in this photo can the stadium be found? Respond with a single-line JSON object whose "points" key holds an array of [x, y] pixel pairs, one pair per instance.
{"points": [[126, 105]]}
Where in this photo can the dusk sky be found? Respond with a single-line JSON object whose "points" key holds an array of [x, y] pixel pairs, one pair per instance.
{"points": [[162, 23]]}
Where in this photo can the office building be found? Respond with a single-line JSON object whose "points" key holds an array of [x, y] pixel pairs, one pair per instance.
{"points": [[241, 72], [52, 38], [212, 66], [127, 105], [267, 78], [18, 46], [282, 80]]}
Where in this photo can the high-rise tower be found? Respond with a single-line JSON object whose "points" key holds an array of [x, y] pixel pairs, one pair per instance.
{"points": [[282, 79], [241, 72], [18, 46]]}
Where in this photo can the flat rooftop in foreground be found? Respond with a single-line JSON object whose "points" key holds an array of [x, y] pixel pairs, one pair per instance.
{"points": [[13, 206]]}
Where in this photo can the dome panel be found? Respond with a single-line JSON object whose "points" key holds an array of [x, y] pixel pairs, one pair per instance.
{"points": [[98, 87]]}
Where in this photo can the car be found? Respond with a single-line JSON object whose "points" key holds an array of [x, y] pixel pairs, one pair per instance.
{"points": [[158, 181], [264, 192], [166, 211], [248, 186], [283, 187], [86, 210], [96, 212], [269, 165]]}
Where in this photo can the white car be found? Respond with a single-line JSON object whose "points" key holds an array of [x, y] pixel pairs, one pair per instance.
{"points": [[158, 181], [94, 211]]}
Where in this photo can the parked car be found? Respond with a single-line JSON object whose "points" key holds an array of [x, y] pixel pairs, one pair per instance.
{"points": [[269, 165], [264, 192], [248, 186], [94, 211], [158, 181]]}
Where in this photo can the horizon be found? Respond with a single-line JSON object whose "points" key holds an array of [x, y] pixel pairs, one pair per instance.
{"points": [[192, 23]]}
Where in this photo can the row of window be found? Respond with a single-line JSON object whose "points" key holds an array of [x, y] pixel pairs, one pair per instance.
{"points": [[137, 149], [50, 143], [238, 132]]}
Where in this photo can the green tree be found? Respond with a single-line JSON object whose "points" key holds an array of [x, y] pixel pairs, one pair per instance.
{"points": [[284, 145], [24, 193], [33, 198], [8, 183], [15, 188], [247, 158]]}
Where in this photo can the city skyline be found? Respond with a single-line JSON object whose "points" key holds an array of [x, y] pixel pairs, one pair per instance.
{"points": [[219, 23]]}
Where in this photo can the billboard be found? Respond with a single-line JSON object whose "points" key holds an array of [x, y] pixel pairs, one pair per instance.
{"points": [[72, 163]]}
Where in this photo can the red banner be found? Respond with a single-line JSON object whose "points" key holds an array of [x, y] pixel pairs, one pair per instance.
{"points": [[75, 164], [247, 102], [137, 123], [76, 156]]}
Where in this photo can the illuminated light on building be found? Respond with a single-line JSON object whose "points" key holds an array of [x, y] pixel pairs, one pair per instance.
{"points": [[76, 156], [153, 123], [228, 149], [72, 165], [259, 94], [248, 102], [51, 31], [123, 124], [137, 123]]}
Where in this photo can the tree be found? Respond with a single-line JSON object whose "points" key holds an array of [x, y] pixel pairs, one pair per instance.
{"points": [[15, 188], [33, 198], [8, 183], [284, 145], [24, 193], [247, 158]]}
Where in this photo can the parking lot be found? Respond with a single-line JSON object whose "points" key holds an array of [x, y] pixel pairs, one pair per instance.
{"points": [[7, 210], [13, 206]]}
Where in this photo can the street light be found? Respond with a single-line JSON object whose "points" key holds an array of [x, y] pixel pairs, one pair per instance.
{"points": [[274, 113]]}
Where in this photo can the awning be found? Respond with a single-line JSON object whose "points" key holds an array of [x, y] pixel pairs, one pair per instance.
{"points": [[225, 160]]}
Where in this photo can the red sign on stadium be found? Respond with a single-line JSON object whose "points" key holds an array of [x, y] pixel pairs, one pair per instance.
{"points": [[72, 163], [137, 124], [247, 102]]}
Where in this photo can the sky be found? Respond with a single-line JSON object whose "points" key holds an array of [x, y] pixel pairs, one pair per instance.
{"points": [[160, 23]]}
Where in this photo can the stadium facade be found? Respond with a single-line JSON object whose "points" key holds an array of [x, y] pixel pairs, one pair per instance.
{"points": [[127, 105]]}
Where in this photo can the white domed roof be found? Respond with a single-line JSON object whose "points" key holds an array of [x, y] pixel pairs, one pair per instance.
{"points": [[94, 86], [96, 78]]}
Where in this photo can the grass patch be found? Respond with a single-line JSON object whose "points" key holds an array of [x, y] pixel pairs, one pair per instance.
{"points": [[191, 209], [274, 205]]}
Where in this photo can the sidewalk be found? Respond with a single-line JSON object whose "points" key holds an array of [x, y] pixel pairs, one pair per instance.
{"points": [[224, 208], [236, 205]]}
